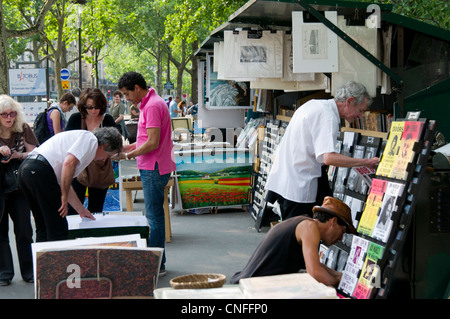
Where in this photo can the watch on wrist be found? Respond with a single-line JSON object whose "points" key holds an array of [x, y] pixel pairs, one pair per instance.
{"points": [[126, 156]]}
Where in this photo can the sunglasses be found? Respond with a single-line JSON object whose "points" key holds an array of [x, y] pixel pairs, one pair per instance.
{"points": [[11, 115], [89, 107]]}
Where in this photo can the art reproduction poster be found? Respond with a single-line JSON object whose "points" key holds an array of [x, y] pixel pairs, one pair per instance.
{"points": [[97, 272], [113, 199], [353, 66], [132, 240], [315, 47], [213, 177], [288, 63], [225, 94], [253, 54]]}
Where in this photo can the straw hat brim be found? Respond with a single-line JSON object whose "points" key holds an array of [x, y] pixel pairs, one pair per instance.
{"points": [[350, 227]]}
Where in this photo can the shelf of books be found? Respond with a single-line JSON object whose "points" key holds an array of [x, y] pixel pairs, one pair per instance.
{"points": [[382, 203]]}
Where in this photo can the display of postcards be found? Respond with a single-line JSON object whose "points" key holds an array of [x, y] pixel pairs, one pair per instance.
{"points": [[342, 261], [347, 239], [323, 250], [332, 169], [354, 181], [349, 141], [332, 257], [372, 145], [356, 206], [358, 151], [340, 182]]}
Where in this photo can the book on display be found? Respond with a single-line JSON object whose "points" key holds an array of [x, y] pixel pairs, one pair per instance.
{"points": [[391, 148], [372, 207], [389, 208], [369, 278], [406, 152]]}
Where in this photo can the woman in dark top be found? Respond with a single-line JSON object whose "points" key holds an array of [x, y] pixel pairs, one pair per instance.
{"points": [[92, 106]]}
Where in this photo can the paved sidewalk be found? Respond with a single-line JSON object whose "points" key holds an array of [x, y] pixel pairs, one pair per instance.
{"points": [[219, 243]]}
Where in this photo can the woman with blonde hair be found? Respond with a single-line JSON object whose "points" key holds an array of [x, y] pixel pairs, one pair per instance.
{"points": [[16, 141]]}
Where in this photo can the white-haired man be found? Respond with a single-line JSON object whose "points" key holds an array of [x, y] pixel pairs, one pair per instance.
{"points": [[298, 179]]}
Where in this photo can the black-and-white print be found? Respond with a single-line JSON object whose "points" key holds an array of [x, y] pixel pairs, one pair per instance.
{"points": [[252, 54]]}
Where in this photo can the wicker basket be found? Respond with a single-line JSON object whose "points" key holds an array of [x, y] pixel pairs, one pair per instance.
{"points": [[198, 281]]}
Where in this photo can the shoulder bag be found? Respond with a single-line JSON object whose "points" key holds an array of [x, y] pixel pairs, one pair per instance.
{"points": [[10, 181], [98, 174]]}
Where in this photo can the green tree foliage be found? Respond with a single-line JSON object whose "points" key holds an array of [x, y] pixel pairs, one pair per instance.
{"points": [[141, 35], [435, 12], [18, 19]]}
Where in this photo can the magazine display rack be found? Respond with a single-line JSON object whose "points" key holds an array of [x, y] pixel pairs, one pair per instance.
{"points": [[382, 213]]}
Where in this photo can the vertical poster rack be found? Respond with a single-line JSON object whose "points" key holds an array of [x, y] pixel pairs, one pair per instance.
{"points": [[382, 203], [383, 214], [273, 132], [414, 174]]}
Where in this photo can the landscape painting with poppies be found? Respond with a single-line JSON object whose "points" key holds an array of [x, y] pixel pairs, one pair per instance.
{"points": [[212, 178]]}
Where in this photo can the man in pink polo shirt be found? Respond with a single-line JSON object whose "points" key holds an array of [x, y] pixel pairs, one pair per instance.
{"points": [[153, 151]]}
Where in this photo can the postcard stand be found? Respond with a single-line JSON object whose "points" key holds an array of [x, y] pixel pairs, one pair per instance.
{"points": [[392, 244], [273, 132], [401, 217], [398, 234]]}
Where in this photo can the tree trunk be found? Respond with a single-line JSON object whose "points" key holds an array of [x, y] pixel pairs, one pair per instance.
{"points": [[194, 74], [159, 70], [180, 70]]}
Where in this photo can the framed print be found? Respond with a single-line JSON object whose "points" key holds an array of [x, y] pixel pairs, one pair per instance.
{"points": [[225, 94], [253, 54], [315, 47], [353, 66]]}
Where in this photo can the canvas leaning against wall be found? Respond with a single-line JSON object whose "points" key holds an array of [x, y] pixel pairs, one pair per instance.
{"points": [[213, 177]]}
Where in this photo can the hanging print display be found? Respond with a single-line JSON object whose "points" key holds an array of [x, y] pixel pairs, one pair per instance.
{"points": [[225, 94], [315, 46]]}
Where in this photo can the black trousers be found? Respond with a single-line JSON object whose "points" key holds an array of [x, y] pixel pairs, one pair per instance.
{"points": [[14, 205], [290, 208], [38, 183], [96, 197]]}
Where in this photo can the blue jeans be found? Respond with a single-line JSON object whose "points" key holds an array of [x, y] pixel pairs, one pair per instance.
{"points": [[153, 185]]}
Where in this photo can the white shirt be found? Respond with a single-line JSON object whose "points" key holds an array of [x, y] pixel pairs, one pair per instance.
{"points": [[311, 133], [80, 143]]}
